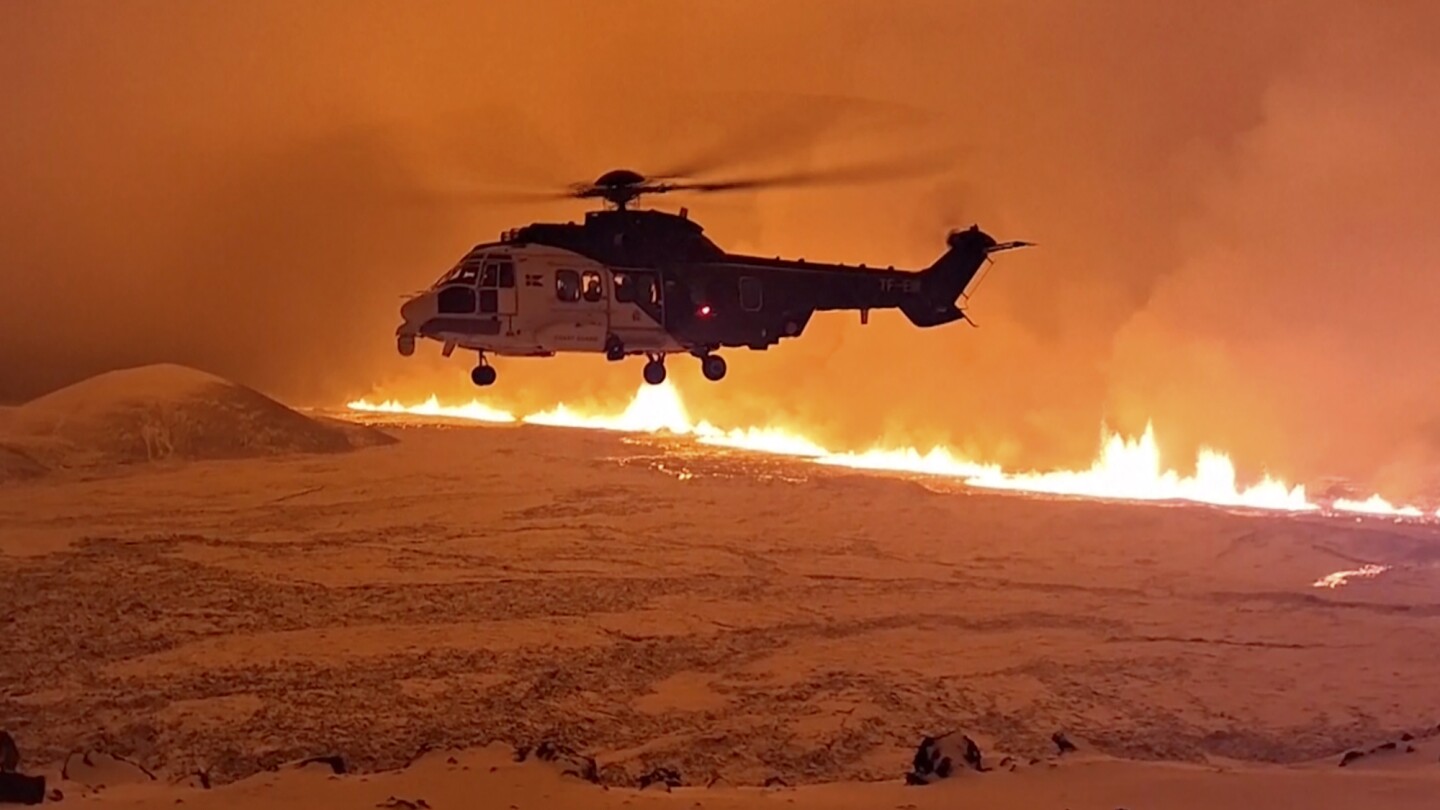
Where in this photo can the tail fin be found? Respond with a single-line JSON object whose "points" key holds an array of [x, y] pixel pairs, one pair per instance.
{"points": [[947, 279]]}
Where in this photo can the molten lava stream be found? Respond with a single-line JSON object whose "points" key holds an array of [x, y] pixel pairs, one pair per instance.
{"points": [[1126, 469]]}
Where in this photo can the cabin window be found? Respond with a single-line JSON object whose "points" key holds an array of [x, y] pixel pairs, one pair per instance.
{"points": [[641, 289], [490, 276], [456, 300], [507, 275], [637, 288], [567, 285], [468, 273], [750, 299], [591, 287]]}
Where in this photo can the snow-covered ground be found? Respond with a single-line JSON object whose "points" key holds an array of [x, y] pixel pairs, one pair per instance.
{"points": [[655, 603]]}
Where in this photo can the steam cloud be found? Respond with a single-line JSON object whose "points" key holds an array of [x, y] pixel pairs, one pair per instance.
{"points": [[1235, 204]]}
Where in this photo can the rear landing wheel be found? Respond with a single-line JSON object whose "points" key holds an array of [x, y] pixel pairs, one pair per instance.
{"points": [[655, 371], [713, 367], [483, 375]]}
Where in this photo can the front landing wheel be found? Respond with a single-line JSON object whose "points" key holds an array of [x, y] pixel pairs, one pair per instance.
{"points": [[713, 367], [655, 372], [483, 375]]}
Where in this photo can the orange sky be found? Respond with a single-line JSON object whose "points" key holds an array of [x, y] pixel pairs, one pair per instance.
{"points": [[1235, 203]]}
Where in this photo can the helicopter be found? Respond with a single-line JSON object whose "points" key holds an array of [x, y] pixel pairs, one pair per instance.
{"points": [[633, 281]]}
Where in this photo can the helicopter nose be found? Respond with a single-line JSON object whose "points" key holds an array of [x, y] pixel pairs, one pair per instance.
{"points": [[417, 310]]}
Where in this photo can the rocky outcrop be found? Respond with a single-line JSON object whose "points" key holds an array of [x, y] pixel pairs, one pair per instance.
{"points": [[944, 757], [1063, 743], [17, 788], [661, 778], [567, 761]]}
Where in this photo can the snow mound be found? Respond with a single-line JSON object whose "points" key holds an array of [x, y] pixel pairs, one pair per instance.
{"points": [[170, 412]]}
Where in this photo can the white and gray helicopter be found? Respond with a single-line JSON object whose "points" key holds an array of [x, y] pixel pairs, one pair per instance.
{"points": [[631, 281]]}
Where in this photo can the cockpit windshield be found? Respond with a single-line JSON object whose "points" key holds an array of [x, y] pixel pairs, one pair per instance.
{"points": [[466, 272]]}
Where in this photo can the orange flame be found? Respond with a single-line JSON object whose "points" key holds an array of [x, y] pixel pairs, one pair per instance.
{"points": [[1126, 469], [474, 410]]}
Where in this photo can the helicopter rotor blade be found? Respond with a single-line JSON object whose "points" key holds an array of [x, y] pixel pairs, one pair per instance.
{"points": [[860, 174]]}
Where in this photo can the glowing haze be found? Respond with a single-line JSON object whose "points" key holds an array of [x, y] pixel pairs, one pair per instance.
{"points": [[1125, 469], [1234, 201]]}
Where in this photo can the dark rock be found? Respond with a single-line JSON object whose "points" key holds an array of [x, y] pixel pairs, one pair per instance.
{"points": [[1389, 746], [395, 803], [1350, 756], [55, 795], [9, 753], [335, 761], [569, 761], [775, 781], [17, 788], [1407, 737], [1062, 742], [661, 777], [941, 757], [204, 777], [521, 752], [1409, 749]]}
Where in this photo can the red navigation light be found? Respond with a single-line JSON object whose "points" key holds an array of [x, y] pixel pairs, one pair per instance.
{"points": [[703, 311]]}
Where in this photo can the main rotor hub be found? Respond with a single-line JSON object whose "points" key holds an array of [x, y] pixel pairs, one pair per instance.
{"points": [[618, 187]]}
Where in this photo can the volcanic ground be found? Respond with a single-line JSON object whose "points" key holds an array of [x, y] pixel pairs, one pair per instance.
{"points": [[653, 602]]}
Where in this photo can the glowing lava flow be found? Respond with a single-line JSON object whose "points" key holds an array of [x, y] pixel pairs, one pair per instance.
{"points": [[1126, 469], [1129, 470], [1376, 505], [1339, 578], [658, 408], [474, 410]]}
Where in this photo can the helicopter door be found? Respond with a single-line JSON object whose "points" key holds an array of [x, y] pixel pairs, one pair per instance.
{"points": [[497, 287], [582, 319]]}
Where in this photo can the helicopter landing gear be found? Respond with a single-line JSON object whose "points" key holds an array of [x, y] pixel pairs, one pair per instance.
{"points": [[655, 369], [483, 374], [614, 348], [405, 344], [713, 367]]}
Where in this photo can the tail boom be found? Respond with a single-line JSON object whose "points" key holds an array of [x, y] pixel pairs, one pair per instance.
{"points": [[950, 277]]}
